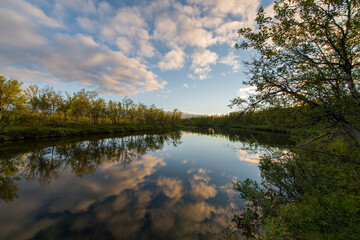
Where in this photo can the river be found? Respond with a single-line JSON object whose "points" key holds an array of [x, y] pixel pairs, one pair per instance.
{"points": [[150, 186]]}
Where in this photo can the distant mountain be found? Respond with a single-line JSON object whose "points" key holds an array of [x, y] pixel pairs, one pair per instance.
{"points": [[189, 115]]}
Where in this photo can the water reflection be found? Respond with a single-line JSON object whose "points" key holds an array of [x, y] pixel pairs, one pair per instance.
{"points": [[83, 157], [251, 138], [249, 145], [169, 186], [245, 156]]}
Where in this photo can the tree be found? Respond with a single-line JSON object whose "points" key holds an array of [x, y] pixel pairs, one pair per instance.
{"points": [[54, 100], [309, 55], [65, 105], [152, 114], [176, 116], [128, 106], [81, 103], [10, 93], [113, 111], [33, 97], [308, 58], [44, 104], [97, 109]]}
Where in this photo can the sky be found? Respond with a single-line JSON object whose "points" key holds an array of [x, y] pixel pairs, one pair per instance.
{"points": [[171, 53]]}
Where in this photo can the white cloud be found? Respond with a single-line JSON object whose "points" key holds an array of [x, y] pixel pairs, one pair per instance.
{"points": [[185, 26], [165, 30], [81, 6], [231, 60], [203, 58], [201, 61], [187, 10], [128, 21], [29, 75], [205, 4], [156, 8], [173, 60], [211, 22], [124, 45], [128, 30], [179, 29], [186, 86], [146, 49], [31, 12], [217, 16], [112, 59], [81, 59], [244, 8], [245, 92], [29, 51], [227, 33], [107, 34], [269, 10], [18, 32], [105, 9], [192, 33], [197, 37], [89, 63], [198, 27], [87, 24]]}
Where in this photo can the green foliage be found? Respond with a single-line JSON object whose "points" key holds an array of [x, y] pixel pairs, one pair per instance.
{"points": [[40, 132], [43, 112], [308, 56], [11, 97], [307, 66], [271, 119], [307, 195]]}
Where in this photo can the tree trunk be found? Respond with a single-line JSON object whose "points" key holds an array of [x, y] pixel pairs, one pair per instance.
{"points": [[353, 131]]}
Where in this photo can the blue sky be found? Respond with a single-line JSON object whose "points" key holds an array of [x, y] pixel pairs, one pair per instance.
{"points": [[174, 54]]}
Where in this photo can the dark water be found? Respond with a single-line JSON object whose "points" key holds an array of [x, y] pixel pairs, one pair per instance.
{"points": [[169, 186]]}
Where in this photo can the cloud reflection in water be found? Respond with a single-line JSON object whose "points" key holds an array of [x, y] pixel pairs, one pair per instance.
{"points": [[112, 199]]}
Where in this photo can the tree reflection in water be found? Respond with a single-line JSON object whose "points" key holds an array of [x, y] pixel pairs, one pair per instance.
{"points": [[84, 157], [120, 188]]}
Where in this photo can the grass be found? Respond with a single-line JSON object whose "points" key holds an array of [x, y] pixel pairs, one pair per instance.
{"points": [[260, 128], [41, 132]]}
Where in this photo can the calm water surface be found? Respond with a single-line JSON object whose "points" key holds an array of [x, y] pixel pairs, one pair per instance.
{"points": [[169, 186]]}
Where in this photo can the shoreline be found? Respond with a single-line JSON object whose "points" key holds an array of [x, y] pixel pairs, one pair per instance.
{"points": [[247, 128], [47, 132], [17, 133]]}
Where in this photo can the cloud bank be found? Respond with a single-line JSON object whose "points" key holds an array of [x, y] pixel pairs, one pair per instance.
{"points": [[118, 49]]}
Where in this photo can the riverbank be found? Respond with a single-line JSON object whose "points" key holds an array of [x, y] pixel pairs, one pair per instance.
{"points": [[43, 132], [259, 128], [15, 133]]}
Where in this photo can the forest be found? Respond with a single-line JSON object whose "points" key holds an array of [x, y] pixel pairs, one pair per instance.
{"points": [[26, 111], [36, 104]]}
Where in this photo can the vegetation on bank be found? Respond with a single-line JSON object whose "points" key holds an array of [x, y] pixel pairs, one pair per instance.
{"points": [[34, 132], [272, 119], [42, 112], [308, 60]]}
